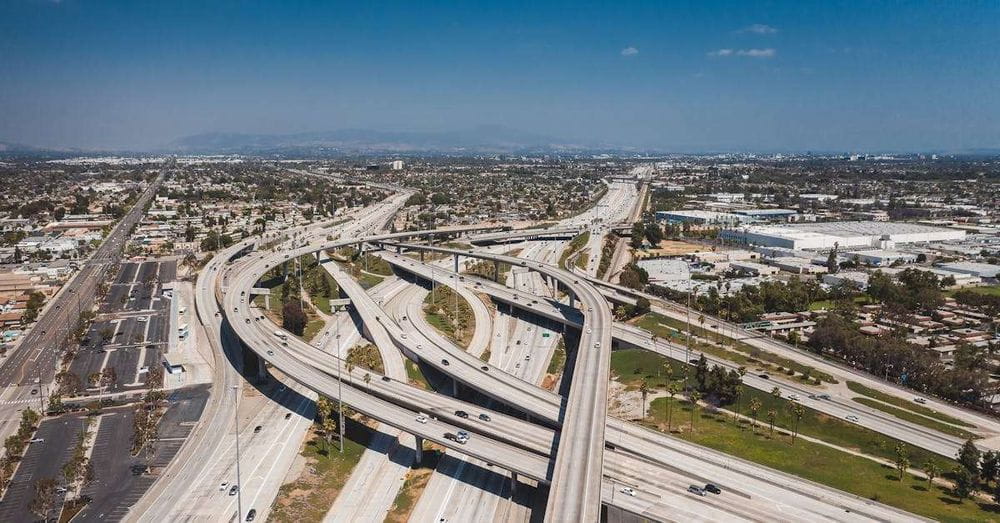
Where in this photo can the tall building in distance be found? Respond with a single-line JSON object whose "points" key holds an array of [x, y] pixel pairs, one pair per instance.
{"points": [[397, 165]]}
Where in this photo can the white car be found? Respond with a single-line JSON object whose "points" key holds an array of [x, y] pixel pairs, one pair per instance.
{"points": [[628, 491], [920, 400], [793, 397], [421, 419], [224, 485], [852, 418]]}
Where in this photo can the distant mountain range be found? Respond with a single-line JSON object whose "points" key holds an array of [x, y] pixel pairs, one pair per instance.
{"points": [[488, 138]]}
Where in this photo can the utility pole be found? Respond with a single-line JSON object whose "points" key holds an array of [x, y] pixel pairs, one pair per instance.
{"points": [[239, 484]]}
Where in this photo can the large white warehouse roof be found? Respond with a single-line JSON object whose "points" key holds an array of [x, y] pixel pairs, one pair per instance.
{"points": [[847, 235]]}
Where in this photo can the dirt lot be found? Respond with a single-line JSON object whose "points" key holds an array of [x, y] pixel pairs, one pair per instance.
{"points": [[676, 248]]}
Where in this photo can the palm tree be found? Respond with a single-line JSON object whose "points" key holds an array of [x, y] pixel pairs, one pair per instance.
{"points": [[754, 407], [738, 394], [776, 393], [671, 391], [644, 389], [932, 471], [368, 379], [798, 411], [694, 396], [350, 369], [771, 415]]}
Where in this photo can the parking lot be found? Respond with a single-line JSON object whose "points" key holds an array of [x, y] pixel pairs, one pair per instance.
{"points": [[116, 486], [132, 327], [43, 460]]}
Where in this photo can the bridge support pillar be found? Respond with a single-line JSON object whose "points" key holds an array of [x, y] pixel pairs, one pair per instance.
{"points": [[571, 300], [496, 271], [418, 456], [399, 249], [454, 388], [456, 264], [421, 256], [267, 301], [513, 484]]}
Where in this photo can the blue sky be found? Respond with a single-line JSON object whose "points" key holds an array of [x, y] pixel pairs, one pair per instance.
{"points": [[682, 76]]}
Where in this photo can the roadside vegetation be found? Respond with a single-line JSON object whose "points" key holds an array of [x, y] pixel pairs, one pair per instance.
{"points": [[573, 247], [908, 405], [450, 314], [416, 480]]}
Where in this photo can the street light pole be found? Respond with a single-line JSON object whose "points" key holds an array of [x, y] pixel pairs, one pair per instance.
{"points": [[340, 394], [239, 484]]}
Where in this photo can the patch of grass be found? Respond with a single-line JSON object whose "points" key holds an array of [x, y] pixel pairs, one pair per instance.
{"points": [[574, 245], [558, 361], [310, 496], [581, 260], [313, 326], [367, 357], [416, 376], [990, 290], [413, 487], [822, 464], [908, 405], [450, 314], [485, 356], [367, 281], [741, 353], [631, 366], [916, 418]]}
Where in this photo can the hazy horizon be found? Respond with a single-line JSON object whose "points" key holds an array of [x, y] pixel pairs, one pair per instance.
{"points": [[825, 76]]}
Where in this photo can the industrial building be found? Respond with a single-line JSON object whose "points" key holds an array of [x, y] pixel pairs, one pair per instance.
{"points": [[844, 235], [981, 270]]}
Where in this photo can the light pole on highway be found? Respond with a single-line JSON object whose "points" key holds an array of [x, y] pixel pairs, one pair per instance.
{"points": [[340, 395], [239, 484]]}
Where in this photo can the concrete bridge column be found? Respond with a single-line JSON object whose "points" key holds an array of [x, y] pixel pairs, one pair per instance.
{"points": [[456, 264], [418, 456], [513, 484], [267, 301], [399, 249], [496, 271], [454, 388], [571, 299]]}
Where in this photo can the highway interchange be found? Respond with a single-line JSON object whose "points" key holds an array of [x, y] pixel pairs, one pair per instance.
{"points": [[564, 443]]}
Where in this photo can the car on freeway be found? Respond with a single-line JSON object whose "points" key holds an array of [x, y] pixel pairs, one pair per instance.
{"points": [[461, 414], [527, 357], [223, 485], [288, 415], [233, 490], [852, 418], [252, 514], [793, 397], [763, 376], [445, 362], [711, 487], [628, 491], [37, 440], [270, 352], [484, 416], [257, 429], [461, 437], [34, 391], [421, 419], [920, 400], [695, 489]]}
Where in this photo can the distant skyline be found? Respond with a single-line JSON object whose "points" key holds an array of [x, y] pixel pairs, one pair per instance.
{"points": [[692, 76]]}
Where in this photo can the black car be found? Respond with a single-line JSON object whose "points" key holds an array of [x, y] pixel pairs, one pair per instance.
{"points": [[445, 362], [386, 378], [233, 490], [461, 414], [763, 376], [257, 429], [252, 514], [289, 415], [713, 489]]}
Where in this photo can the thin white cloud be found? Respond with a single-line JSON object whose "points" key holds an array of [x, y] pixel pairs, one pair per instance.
{"points": [[721, 52], [760, 29], [749, 53], [757, 53], [630, 51]]}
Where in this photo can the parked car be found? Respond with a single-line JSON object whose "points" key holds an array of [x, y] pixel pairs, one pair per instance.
{"points": [[223, 485], [252, 514]]}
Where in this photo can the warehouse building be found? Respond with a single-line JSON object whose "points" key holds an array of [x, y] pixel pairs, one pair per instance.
{"points": [[981, 270], [701, 217], [844, 235]]}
